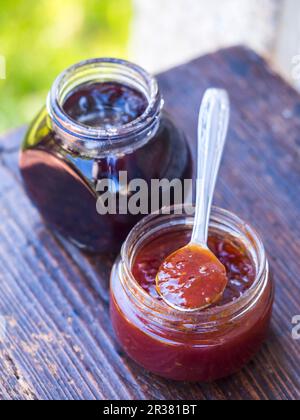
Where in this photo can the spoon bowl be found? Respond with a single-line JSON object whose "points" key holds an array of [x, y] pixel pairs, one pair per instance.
{"points": [[192, 278]]}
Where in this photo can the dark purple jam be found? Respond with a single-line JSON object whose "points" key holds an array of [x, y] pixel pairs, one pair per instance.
{"points": [[62, 184], [105, 105]]}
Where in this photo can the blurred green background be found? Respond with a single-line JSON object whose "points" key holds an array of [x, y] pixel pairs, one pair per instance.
{"points": [[41, 38]]}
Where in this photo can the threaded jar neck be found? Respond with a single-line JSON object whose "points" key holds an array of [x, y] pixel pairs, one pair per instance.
{"points": [[94, 141]]}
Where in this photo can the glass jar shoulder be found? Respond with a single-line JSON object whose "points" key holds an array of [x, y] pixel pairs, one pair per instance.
{"points": [[167, 154]]}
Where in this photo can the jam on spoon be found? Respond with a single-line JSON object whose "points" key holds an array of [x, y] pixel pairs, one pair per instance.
{"points": [[192, 278]]}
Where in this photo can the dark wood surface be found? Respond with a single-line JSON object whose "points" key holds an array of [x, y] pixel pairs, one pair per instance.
{"points": [[59, 342]]}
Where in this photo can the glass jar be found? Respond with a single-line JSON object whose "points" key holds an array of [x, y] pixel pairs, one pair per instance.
{"points": [[62, 160], [202, 346]]}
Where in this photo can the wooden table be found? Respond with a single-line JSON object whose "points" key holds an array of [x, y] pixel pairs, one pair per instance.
{"points": [[59, 342]]}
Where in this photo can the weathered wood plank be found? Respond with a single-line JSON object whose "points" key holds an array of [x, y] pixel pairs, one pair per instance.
{"points": [[59, 343]]}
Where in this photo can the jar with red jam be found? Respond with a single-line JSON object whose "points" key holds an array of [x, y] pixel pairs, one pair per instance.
{"points": [[103, 117], [191, 346]]}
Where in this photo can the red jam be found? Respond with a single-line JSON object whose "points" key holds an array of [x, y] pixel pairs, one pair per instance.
{"points": [[105, 105], [202, 346]]}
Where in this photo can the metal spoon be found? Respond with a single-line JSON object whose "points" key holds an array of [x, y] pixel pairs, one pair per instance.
{"points": [[192, 278]]}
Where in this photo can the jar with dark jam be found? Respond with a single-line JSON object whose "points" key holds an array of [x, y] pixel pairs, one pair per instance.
{"points": [[191, 346], [103, 117]]}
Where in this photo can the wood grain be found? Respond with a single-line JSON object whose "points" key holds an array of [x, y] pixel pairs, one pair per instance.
{"points": [[59, 343]]}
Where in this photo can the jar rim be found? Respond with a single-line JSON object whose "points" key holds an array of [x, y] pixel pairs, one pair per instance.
{"points": [[93, 69], [211, 316]]}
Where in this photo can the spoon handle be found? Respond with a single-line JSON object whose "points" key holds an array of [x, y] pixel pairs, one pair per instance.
{"points": [[212, 130]]}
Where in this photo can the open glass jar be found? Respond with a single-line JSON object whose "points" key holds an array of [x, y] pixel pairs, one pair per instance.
{"points": [[103, 116], [202, 346]]}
